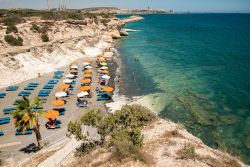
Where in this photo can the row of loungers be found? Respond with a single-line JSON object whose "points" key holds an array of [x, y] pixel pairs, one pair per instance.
{"points": [[12, 88], [2, 94], [8, 110]]}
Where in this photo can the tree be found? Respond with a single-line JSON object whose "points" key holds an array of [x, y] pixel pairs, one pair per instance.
{"points": [[26, 117]]}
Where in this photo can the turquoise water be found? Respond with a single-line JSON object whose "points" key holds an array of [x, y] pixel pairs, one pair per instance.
{"points": [[199, 66]]}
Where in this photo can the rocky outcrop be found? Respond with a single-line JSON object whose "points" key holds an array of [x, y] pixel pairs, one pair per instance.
{"points": [[124, 32], [115, 34], [132, 19]]}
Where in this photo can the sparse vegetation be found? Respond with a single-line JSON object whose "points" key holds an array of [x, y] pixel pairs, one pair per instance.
{"points": [[187, 152], [12, 20], [11, 28], [13, 41], [120, 131], [36, 28], [45, 37]]}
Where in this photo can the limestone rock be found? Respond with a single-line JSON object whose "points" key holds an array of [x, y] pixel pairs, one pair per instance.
{"points": [[123, 33], [115, 34]]}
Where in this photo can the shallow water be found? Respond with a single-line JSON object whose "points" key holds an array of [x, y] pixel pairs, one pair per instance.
{"points": [[199, 66]]}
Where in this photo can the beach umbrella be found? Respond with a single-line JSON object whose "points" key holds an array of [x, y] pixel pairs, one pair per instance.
{"points": [[88, 67], [26, 118], [108, 89], [61, 94], [86, 81], [74, 67], [87, 61], [85, 64], [70, 76], [104, 68], [88, 71], [105, 77], [64, 86], [72, 70], [67, 81], [103, 64], [87, 75], [58, 102], [82, 94], [51, 114], [85, 88], [105, 71]]}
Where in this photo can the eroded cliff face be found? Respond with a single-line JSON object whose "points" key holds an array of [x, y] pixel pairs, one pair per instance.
{"points": [[166, 144], [68, 40]]}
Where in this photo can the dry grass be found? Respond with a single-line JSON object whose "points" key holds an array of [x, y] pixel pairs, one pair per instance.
{"points": [[187, 152]]}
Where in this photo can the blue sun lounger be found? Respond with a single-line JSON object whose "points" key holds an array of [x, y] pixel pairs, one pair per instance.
{"points": [[1, 133], [44, 91], [12, 88], [24, 93], [47, 86], [8, 110], [29, 88], [101, 98], [4, 120], [34, 83], [102, 94], [58, 72], [57, 76], [60, 110], [53, 81], [27, 132], [2, 94]]}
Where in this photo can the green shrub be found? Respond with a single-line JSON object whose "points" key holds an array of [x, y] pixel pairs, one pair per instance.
{"points": [[13, 20], [45, 37], [74, 128], [13, 41], [92, 118], [11, 28], [85, 148], [36, 28], [187, 152], [44, 29]]}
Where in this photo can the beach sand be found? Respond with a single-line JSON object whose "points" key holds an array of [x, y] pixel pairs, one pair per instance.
{"points": [[13, 153]]}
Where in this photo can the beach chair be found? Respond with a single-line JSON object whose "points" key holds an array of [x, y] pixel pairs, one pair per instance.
{"points": [[32, 86], [54, 81], [27, 132], [56, 127], [47, 86], [45, 91], [43, 94], [12, 88], [101, 98], [4, 120], [8, 110], [2, 94], [29, 88], [1, 133], [102, 94], [34, 83], [57, 76], [58, 72]]}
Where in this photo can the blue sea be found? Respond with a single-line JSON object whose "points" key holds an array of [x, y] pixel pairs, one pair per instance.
{"points": [[196, 69]]}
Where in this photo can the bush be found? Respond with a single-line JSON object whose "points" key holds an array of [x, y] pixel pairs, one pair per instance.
{"points": [[36, 28], [45, 37], [187, 152], [120, 130], [13, 20], [11, 28], [13, 41]]}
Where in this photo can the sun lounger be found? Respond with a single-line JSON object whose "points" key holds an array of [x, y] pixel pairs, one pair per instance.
{"points": [[2, 94], [56, 127], [102, 98], [82, 105], [27, 132], [28, 88], [8, 110], [60, 109], [102, 94], [57, 76], [47, 86], [58, 72], [53, 81], [44, 91], [43, 100], [43, 95], [4, 121], [5, 118], [34, 83], [1, 133], [23, 94], [12, 88]]}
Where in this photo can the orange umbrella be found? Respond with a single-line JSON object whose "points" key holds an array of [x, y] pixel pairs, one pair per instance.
{"points": [[26, 118], [58, 102], [87, 75], [72, 70], [64, 86], [85, 88], [86, 81], [88, 71], [88, 61], [105, 71], [107, 89], [51, 114]]}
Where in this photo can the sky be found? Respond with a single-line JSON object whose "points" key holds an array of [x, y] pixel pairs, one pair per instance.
{"points": [[216, 6]]}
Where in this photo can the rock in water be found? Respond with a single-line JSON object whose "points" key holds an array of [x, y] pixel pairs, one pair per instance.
{"points": [[123, 32], [115, 34]]}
